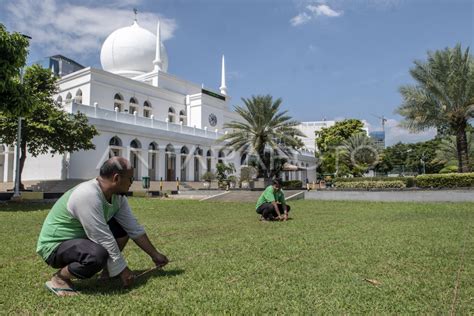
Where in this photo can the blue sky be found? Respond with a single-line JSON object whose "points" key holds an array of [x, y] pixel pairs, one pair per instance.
{"points": [[328, 59]]}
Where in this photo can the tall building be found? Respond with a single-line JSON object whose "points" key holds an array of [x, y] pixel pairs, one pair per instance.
{"points": [[167, 126], [60, 65], [379, 138], [309, 129]]}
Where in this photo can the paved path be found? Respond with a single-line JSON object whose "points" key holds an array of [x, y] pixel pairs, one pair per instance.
{"points": [[394, 196], [249, 196]]}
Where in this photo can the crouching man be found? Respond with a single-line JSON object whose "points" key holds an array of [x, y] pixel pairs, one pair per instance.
{"points": [[271, 204], [88, 227]]}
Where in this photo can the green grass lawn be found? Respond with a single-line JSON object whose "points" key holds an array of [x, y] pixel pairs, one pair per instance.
{"points": [[224, 260]]}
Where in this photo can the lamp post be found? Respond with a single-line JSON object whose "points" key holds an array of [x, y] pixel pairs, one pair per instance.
{"points": [[16, 193]]}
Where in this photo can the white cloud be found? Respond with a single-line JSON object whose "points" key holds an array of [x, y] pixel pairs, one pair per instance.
{"points": [[312, 11], [77, 30], [394, 134], [301, 18], [323, 9]]}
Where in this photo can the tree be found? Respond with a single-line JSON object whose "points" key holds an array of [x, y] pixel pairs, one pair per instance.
{"points": [[329, 141], [359, 154], [46, 128], [13, 52], [442, 97], [333, 136], [222, 171], [446, 153], [264, 129]]}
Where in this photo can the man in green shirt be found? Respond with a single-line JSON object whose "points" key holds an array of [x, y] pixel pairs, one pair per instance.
{"points": [[271, 204], [88, 227]]}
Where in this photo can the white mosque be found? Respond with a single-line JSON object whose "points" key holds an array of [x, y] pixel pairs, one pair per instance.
{"points": [[165, 125]]}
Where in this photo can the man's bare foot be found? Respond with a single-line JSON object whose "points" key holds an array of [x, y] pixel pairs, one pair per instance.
{"points": [[61, 286]]}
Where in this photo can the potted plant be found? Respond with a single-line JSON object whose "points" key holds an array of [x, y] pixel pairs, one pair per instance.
{"points": [[207, 177], [232, 181], [247, 174]]}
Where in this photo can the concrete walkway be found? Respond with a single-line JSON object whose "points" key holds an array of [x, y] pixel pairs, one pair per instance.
{"points": [[394, 196]]}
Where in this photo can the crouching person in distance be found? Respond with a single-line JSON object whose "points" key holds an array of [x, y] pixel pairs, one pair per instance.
{"points": [[88, 227], [271, 204]]}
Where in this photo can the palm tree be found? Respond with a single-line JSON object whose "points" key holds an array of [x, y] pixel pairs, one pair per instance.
{"points": [[264, 131], [443, 97], [446, 153], [359, 154]]}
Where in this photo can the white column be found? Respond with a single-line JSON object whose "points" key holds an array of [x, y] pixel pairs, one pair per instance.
{"points": [[144, 162], [178, 163], [161, 163]]}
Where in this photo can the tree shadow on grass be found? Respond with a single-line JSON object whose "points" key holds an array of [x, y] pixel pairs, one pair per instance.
{"points": [[25, 206], [114, 286]]}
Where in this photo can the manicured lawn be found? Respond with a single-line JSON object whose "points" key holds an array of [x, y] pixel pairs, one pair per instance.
{"points": [[224, 260]]}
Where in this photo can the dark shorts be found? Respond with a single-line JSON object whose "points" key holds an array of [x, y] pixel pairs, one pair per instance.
{"points": [[83, 257]]}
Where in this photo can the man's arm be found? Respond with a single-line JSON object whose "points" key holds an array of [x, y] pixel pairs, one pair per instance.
{"points": [[145, 244], [277, 210], [137, 233]]}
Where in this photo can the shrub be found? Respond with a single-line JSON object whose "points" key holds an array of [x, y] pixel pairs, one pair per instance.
{"points": [[247, 173], [395, 184], [293, 184], [208, 176], [408, 181], [447, 180]]}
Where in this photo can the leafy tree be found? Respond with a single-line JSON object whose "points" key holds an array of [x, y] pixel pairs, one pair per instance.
{"points": [[333, 136], [442, 97], [13, 52], [329, 140], [47, 128], [223, 170], [264, 129]]}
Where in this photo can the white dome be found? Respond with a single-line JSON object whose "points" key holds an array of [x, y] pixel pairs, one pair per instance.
{"points": [[130, 51]]}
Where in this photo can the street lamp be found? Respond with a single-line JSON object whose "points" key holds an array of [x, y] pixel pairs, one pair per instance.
{"points": [[16, 193]]}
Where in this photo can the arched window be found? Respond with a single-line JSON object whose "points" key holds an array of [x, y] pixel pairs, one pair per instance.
{"points": [[209, 160], [243, 159], [147, 109], [153, 146], [118, 102], [59, 100], [171, 114], [170, 163], [115, 141], [198, 152], [68, 98], [135, 144], [221, 156], [78, 98], [133, 106], [184, 156], [182, 117], [115, 144]]}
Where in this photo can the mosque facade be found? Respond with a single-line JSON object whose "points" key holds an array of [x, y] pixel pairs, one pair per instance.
{"points": [[166, 126]]}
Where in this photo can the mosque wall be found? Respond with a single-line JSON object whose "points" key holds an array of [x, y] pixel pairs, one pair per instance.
{"points": [[44, 167]]}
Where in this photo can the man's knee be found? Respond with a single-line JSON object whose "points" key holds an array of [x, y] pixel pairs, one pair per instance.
{"points": [[97, 257]]}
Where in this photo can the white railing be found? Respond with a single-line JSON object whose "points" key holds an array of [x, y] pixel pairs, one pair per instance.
{"points": [[151, 122]]}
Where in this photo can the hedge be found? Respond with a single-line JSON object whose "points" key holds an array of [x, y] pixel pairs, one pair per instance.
{"points": [[395, 184], [408, 181], [446, 180], [293, 184]]}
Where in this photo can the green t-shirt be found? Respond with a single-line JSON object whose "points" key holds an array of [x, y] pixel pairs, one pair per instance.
{"points": [[269, 196], [61, 225]]}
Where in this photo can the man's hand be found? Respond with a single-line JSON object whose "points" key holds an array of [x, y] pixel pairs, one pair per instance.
{"points": [[285, 217], [127, 277], [160, 260]]}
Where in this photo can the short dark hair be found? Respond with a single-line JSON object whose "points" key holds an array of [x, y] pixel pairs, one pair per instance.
{"points": [[277, 182], [114, 165]]}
